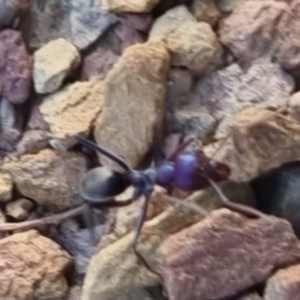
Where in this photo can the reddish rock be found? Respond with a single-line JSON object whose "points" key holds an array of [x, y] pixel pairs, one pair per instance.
{"points": [[224, 254], [139, 22], [284, 285], [15, 67]]}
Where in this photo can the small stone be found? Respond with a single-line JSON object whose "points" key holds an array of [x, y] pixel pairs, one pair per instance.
{"points": [[134, 6], [258, 140], [133, 98], [284, 284], [80, 22], [19, 209], [15, 69], [294, 106], [52, 64], [48, 177], [193, 45], [72, 110], [205, 11], [220, 249], [12, 12], [138, 21], [6, 187], [32, 267], [226, 6]]}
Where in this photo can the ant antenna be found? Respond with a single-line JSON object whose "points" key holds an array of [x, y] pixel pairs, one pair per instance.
{"points": [[93, 146]]}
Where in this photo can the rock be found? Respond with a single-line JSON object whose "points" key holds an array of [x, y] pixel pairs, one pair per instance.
{"points": [[11, 12], [205, 11], [252, 296], [258, 140], [133, 100], [18, 209], [226, 6], [225, 241], [284, 284], [193, 45], [137, 21], [78, 21], [277, 192], [294, 106], [195, 122], [225, 92], [42, 177], [116, 273], [179, 88], [134, 6], [72, 110], [52, 64], [32, 267], [6, 187], [74, 293], [15, 69]]}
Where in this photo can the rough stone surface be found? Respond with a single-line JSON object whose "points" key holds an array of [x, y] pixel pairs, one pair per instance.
{"points": [[134, 6], [226, 6], [133, 98], [284, 284], [116, 273], [6, 187], [193, 45], [205, 11], [19, 208], [74, 293], [258, 140], [11, 12], [32, 267], [72, 110], [80, 22], [294, 106], [52, 64], [15, 67], [48, 177], [220, 249], [252, 296], [227, 91]]}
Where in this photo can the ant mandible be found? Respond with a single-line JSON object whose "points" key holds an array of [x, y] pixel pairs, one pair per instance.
{"points": [[185, 170]]}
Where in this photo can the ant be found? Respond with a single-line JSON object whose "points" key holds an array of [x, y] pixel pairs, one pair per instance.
{"points": [[185, 170]]}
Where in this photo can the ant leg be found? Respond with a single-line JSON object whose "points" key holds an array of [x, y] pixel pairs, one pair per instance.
{"points": [[138, 229], [181, 147], [235, 206]]}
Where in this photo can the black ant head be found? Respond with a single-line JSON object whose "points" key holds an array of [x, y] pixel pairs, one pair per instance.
{"points": [[102, 184]]}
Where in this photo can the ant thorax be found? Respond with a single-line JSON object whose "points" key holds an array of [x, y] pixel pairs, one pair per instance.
{"points": [[143, 181]]}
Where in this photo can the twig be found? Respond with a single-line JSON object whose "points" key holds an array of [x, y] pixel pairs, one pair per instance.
{"points": [[55, 219]]}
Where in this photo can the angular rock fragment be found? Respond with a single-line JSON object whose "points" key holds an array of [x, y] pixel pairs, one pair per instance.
{"points": [[294, 106], [134, 6], [32, 267], [227, 91], [80, 22], [15, 68], [133, 99], [6, 187], [284, 284], [205, 11], [19, 209], [258, 140], [226, 6], [193, 45], [116, 273], [52, 64], [72, 110], [12, 12], [212, 256], [48, 177]]}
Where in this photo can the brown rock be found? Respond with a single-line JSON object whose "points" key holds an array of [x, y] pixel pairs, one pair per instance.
{"points": [[258, 140], [48, 177], [133, 100], [52, 64], [225, 92], [6, 187], [193, 45], [32, 267], [19, 208], [220, 250], [72, 110], [11, 12], [226, 6], [80, 22], [294, 106], [205, 11], [284, 284], [15, 70], [135, 6], [116, 273]]}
